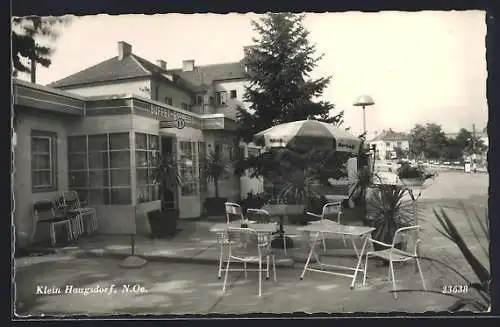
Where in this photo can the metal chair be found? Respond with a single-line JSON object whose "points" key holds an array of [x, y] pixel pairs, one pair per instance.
{"points": [[409, 237], [87, 217], [263, 216], [233, 210], [247, 246], [45, 212], [329, 209]]}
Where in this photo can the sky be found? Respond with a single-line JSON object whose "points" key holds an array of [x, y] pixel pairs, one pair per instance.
{"points": [[419, 67]]}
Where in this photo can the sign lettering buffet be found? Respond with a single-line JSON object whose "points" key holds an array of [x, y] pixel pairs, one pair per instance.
{"points": [[169, 114]]}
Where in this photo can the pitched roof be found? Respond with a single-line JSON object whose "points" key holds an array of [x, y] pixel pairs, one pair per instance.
{"points": [[133, 66], [203, 76], [390, 135], [107, 70]]}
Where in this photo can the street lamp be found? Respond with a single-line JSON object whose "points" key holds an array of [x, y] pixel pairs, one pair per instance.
{"points": [[363, 102]]}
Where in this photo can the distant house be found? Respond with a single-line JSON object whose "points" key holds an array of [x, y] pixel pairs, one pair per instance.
{"points": [[387, 142]]}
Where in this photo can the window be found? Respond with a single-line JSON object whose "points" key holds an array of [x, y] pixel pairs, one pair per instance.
{"points": [[387, 144], [199, 100], [399, 144], [221, 98], [233, 94], [187, 168], [146, 162], [43, 161], [99, 168], [202, 155], [212, 101], [168, 101], [184, 106]]}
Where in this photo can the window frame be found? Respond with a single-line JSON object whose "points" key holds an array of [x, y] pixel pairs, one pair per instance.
{"points": [[182, 158], [52, 138], [218, 98], [150, 185], [233, 94], [89, 171], [168, 100]]}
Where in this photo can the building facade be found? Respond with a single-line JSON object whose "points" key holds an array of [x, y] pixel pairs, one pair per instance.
{"points": [[99, 130], [388, 143]]}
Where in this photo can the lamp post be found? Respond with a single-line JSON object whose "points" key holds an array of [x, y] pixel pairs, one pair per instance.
{"points": [[363, 102]]}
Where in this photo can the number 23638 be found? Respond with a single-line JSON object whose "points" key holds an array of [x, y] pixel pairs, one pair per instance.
{"points": [[454, 289]]}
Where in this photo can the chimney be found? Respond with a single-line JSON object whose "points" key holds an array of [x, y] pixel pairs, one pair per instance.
{"points": [[187, 65], [124, 50], [162, 64]]}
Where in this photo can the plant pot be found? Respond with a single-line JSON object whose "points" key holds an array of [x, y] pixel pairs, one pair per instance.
{"points": [[412, 181], [215, 206], [163, 223]]}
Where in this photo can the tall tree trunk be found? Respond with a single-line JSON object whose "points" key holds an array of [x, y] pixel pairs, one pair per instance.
{"points": [[33, 64]]}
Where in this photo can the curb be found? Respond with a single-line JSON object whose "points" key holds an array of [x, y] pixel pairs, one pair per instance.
{"points": [[205, 261]]}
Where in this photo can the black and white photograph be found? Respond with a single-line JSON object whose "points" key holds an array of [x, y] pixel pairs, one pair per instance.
{"points": [[243, 163]]}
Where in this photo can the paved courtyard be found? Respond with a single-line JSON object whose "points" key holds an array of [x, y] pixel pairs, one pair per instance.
{"points": [[191, 287]]}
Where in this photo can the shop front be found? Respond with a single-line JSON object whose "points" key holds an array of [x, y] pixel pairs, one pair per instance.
{"points": [[106, 149]]}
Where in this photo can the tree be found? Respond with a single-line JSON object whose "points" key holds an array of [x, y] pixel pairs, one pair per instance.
{"points": [[469, 142], [279, 66], [427, 141], [26, 34], [453, 150]]}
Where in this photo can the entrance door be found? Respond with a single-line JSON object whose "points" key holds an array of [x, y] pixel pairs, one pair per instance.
{"points": [[168, 152]]}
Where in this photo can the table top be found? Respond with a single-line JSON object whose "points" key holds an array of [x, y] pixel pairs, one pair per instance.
{"points": [[333, 228], [259, 228]]}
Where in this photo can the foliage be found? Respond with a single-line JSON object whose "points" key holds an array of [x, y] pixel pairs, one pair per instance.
{"points": [[401, 153], [215, 168], [300, 186], [252, 201], [166, 174], [408, 171], [481, 298], [279, 66], [427, 141], [388, 210], [26, 31], [469, 142]]}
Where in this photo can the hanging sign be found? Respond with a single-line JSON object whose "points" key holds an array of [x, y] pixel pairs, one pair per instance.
{"points": [[178, 123]]}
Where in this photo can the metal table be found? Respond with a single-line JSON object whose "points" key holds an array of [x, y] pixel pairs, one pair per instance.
{"points": [[221, 228], [331, 227]]}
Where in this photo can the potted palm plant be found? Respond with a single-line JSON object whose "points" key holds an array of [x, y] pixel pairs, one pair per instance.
{"points": [[387, 211], [163, 222], [216, 166]]}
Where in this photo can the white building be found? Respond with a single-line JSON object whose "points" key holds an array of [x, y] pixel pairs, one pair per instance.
{"points": [[387, 143]]}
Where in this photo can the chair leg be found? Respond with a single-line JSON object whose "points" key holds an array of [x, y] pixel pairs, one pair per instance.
{"points": [[52, 233], [421, 274], [245, 269], [274, 269], [324, 242], [219, 274], [226, 274], [391, 266], [260, 276], [267, 267], [366, 268]]}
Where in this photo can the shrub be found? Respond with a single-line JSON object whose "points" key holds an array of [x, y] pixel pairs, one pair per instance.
{"points": [[252, 201], [408, 171]]}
